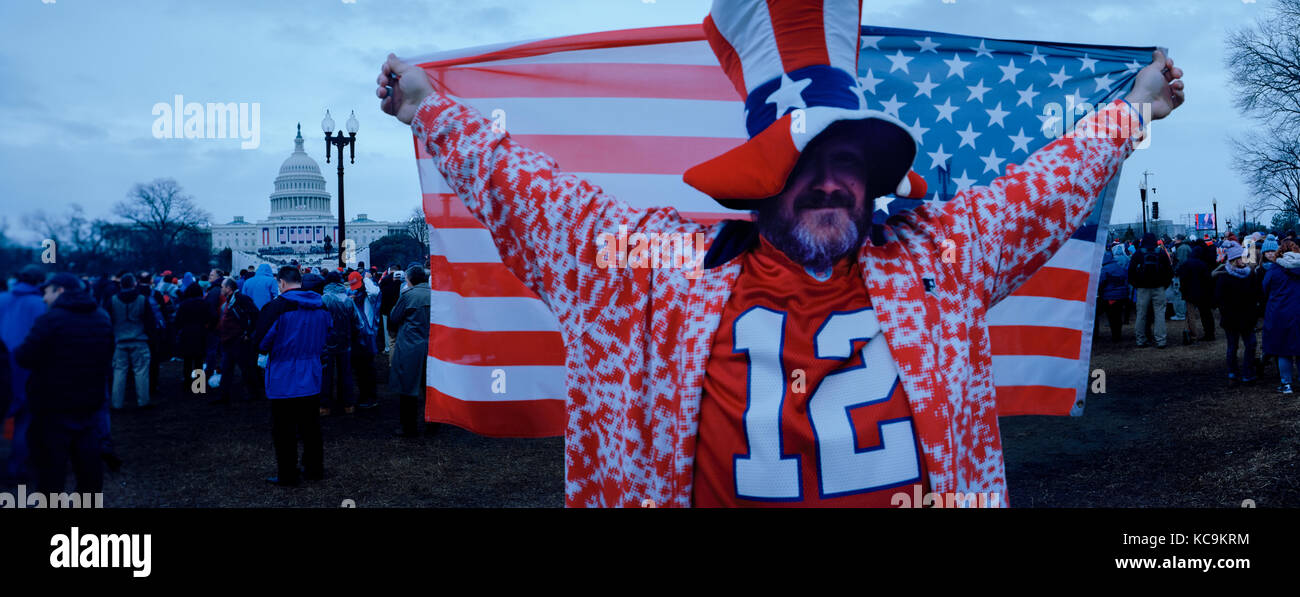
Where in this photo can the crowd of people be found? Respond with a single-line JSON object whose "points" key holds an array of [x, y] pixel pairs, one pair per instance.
{"points": [[1251, 281], [76, 350]]}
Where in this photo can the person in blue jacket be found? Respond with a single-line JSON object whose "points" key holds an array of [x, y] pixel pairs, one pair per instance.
{"points": [[1282, 313], [19, 308], [291, 333], [1113, 293], [262, 287]]}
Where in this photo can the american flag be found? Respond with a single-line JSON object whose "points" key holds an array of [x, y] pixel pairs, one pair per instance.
{"points": [[631, 110]]}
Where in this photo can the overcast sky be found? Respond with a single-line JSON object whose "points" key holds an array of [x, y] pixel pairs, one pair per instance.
{"points": [[79, 80]]}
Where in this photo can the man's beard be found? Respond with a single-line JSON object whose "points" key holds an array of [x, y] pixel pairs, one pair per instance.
{"points": [[815, 241]]}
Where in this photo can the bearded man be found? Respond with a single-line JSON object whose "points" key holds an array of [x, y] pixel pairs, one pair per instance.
{"points": [[804, 363]]}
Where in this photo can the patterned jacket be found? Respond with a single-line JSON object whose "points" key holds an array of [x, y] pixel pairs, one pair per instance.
{"points": [[637, 339]]}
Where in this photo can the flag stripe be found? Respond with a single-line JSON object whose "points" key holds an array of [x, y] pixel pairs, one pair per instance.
{"points": [[676, 81], [1030, 400], [615, 116], [474, 383], [497, 349], [505, 418], [1055, 282], [491, 314], [476, 280], [1011, 340]]}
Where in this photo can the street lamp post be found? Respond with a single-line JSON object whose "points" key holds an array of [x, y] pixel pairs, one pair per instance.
{"points": [[340, 141]]}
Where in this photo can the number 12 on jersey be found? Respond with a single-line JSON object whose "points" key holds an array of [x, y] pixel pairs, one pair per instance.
{"points": [[766, 473]]}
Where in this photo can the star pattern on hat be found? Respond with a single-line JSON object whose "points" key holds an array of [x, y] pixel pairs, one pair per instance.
{"points": [[789, 94]]}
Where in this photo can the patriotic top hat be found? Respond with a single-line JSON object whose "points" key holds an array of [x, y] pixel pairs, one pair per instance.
{"points": [[788, 55]]}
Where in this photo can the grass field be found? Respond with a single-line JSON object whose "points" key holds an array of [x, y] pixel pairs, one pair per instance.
{"points": [[1168, 432]]}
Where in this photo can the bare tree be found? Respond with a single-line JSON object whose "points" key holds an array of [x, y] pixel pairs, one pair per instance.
{"points": [[418, 227], [1264, 64], [162, 213], [1270, 164], [78, 238]]}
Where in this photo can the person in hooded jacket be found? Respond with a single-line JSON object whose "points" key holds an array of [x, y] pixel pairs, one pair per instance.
{"points": [[1282, 313], [337, 357], [19, 309], [1238, 291], [262, 287], [70, 349], [291, 332], [1112, 294]]}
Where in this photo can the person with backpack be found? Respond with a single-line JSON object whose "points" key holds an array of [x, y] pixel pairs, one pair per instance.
{"points": [[1150, 273], [134, 323], [1238, 291], [337, 356]]}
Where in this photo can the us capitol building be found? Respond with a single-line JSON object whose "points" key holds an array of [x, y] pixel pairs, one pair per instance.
{"points": [[301, 216]]}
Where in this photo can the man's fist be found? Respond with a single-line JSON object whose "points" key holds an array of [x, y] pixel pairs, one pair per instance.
{"points": [[1158, 84], [408, 90]]}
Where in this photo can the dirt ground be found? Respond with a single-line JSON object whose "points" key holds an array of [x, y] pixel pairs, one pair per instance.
{"points": [[1167, 432]]}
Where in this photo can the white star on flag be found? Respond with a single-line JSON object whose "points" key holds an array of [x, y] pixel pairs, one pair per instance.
{"points": [[1134, 66], [872, 41], [1027, 96], [1036, 57], [882, 203], [982, 50], [925, 87], [968, 136], [963, 182], [918, 131], [992, 162], [998, 116], [788, 95], [1020, 141], [937, 158], [1103, 82], [1088, 64], [899, 62], [869, 82], [1010, 71], [1059, 79], [956, 66], [927, 45], [892, 106], [977, 90], [946, 110]]}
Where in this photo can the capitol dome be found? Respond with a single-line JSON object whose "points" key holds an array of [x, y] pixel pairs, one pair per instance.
{"points": [[299, 188]]}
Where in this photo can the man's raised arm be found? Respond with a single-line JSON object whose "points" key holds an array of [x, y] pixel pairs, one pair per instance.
{"points": [[545, 222], [1014, 225]]}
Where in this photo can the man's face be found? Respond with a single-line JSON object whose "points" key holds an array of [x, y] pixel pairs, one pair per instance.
{"points": [[52, 294], [824, 212], [212, 276], [226, 292]]}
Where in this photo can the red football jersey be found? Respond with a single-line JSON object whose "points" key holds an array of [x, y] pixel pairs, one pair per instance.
{"points": [[802, 404]]}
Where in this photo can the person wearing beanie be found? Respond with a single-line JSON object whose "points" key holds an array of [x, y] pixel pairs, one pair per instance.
{"points": [[408, 322], [1150, 272], [1268, 250], [1238, 291], [1281, 289]]}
